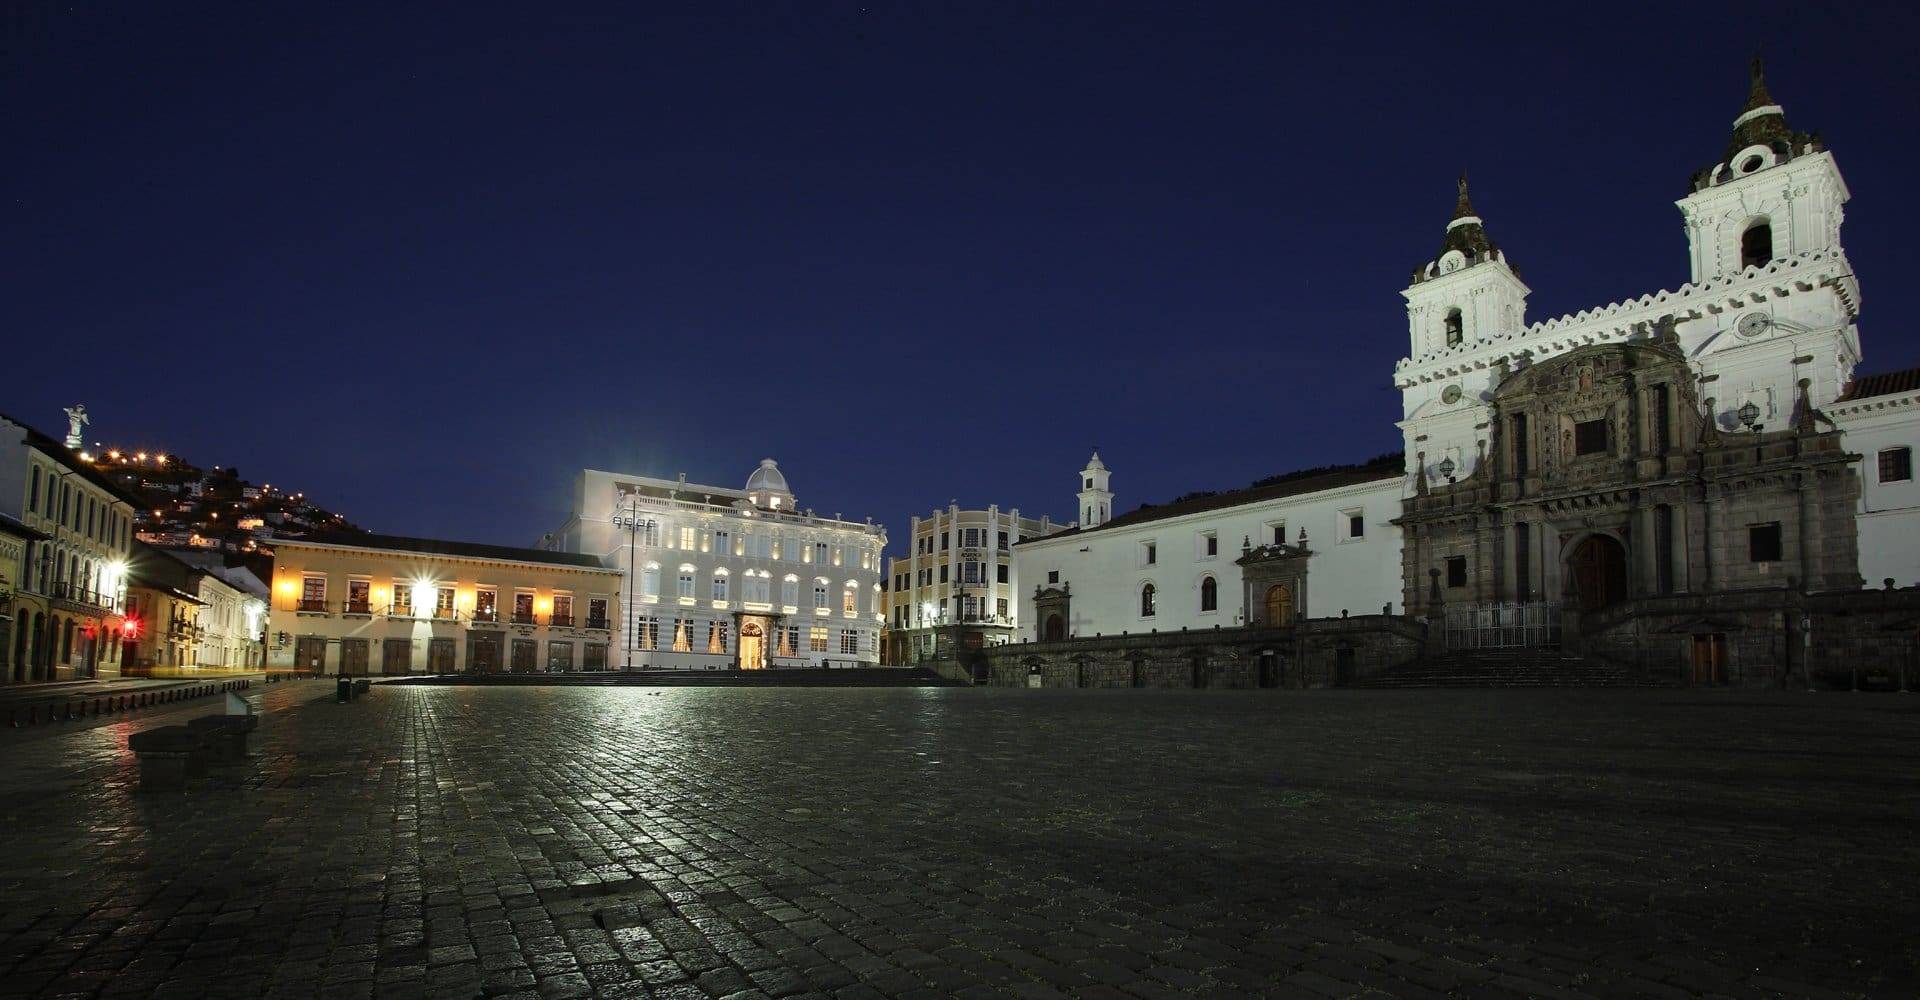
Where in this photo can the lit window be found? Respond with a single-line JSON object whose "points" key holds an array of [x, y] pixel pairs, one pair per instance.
{"points": [[1146, 601], [646, 634], [716, 637], [683, 635], [720, 585], [817, 639], [849, 641], [850, 599], [686, 582]]}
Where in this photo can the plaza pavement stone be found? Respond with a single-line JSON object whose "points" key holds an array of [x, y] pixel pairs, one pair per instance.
{"points": [[786, 843]]}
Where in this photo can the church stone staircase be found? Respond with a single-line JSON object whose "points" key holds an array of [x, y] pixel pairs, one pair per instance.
{"points": [[1509, 668]]}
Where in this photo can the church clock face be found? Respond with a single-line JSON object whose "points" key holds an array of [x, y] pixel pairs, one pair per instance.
{"points": [[1753, 324], [1452, 261], [1450, 395]]}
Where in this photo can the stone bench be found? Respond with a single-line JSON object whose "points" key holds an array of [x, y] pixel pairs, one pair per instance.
{"points": [[226, 735], [169, 756]]}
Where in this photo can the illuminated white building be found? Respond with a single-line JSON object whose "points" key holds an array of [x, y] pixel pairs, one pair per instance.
{"points": [[961, 572], [718, 578]]}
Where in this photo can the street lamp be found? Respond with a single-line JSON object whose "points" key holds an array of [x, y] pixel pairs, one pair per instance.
{"points": [[633, 584], [1749, 415]]}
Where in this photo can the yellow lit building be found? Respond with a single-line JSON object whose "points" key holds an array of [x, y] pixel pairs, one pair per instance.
{"points": [[382, 604]]}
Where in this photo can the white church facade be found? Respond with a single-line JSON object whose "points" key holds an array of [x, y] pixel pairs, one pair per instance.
{"points": [[1631, 460]]}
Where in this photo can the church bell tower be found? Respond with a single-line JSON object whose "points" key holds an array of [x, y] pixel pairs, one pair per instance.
{"points": [[1096, 500]]}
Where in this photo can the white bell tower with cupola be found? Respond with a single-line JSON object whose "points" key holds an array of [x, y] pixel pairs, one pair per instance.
{"points": [[1096, 500], [1776, 194], [1462, 306]]}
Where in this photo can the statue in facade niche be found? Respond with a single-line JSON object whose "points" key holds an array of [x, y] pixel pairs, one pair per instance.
{"points": [[76, 419]]}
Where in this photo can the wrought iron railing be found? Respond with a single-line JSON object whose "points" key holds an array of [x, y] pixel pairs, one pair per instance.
{"points": [[1503, 625]]}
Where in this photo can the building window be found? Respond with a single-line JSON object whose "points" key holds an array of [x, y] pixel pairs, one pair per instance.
{"points": [[1520, 444], [850, 598], [359, 597], [486, 606], [650, 581], [849, 641], [1756, 244], [559, 657], [970, 538], [716, 637], [1276, 532], [523, 608], [1662, 418], [1209, 595], [562, 611], [1353, 525], [790, 590], [402, 606], [1146, 600], [593, 656], [1209, 544], [789, 641], [1002, 541], [686, 582], [33, 490], [720, 585], [943, 572], [683, 635], [1456, 571], [1001, 572], [1053, 576], [819, 553], [1763, 542], [1149, 553], [646, 633], [686, 537], [817, 639], [820, 595], [1663, 548], [722, 543], [1456, 328], [443, 602], [650, 532], [1000, 608], [596, 612], [1896, 465], [1590, 437], [313, 593]]}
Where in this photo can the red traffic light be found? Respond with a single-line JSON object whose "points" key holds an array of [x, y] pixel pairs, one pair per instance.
{"points": [[131, 627]]}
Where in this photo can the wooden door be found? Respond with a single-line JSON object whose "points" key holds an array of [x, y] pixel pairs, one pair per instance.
{"points": [[1279, 605], [439, 656], [1599, 567], [1710, 658], [353, 656]]}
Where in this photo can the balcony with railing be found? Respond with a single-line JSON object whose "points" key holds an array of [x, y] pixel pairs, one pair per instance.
{"points": [[358, 609], [601, 624], [524, 618], [558, 620], [82, 598], [310, 606], [486, 616]]}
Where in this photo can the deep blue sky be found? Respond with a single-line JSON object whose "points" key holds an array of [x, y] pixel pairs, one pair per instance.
{"points": [[427, 261]]}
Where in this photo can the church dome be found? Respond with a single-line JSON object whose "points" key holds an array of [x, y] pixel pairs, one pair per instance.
{"points": [[767, 487]]}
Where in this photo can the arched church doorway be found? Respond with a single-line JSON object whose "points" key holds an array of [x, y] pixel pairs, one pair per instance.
{"points": [[1599, 568], [1279, 605], [1054, 630]]}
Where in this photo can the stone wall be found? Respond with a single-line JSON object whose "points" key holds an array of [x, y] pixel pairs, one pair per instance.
{"points": [[1767, 637], [1320, 652]]}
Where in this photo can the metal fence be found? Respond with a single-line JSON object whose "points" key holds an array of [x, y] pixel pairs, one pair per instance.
{"points": [[1510, 625]]}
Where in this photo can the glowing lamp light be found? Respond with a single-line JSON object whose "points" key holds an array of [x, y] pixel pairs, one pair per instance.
{"points": [[543, 604], [130, 628], [423, 594]]}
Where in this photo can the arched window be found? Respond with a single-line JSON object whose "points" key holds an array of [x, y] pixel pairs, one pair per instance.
{"points": [[1209, 595], [1456, 328], [850, 598], [1146, 600], [820, 594], [790, 590], [720, 584], [650, 580], [1756, 244], [686, 581]]}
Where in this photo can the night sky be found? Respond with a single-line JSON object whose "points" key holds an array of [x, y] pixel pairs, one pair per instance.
{"points": [[426, 262]]}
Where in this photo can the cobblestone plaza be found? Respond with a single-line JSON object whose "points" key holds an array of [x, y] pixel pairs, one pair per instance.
{"points": [[627, 842]]}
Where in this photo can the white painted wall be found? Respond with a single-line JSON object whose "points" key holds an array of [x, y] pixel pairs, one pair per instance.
{"points": [[1106, 567], [1889, 520]]}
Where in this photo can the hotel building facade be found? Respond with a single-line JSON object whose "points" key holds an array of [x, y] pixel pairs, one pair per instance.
{"points": [[722, 578]]}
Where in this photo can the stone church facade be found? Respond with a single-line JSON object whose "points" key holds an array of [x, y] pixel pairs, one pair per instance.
{"points": [[1679, 483]]}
